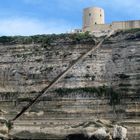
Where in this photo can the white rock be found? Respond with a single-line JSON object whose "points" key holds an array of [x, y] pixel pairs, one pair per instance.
{"points": [[119, 132], [100, 133], [40, 113]]}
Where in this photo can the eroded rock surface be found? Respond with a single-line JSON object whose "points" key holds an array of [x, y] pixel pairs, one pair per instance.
{"points": [[104, 86], [119, 132]]}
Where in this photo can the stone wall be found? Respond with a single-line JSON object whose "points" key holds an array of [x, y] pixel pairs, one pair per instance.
{"points": [[120, 25], [126, 25], [98, 27]]}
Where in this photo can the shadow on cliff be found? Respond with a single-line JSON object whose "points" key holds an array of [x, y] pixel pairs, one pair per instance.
{"points": [[82, 137]]}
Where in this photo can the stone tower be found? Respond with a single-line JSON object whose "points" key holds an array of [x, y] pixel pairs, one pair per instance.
{"points": [[92, 16]]}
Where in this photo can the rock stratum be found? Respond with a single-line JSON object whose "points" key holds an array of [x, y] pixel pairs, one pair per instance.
{"points": [[101, 91]]}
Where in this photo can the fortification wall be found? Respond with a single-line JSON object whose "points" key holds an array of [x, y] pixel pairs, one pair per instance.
{"points": [[119, 25], [125, 24], [98, 27], [101, 27]]}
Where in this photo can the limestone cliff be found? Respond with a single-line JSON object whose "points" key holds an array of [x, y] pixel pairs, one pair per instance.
{"points": [[104, 86]]}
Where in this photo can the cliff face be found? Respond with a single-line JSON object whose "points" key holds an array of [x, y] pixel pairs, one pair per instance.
{"points": [[104, 86]]}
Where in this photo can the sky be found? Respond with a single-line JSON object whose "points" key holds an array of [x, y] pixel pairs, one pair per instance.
{"points": [[31, 17]]}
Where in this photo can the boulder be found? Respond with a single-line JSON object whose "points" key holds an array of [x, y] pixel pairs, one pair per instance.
{"points": [[100, 134], [119, 132]]}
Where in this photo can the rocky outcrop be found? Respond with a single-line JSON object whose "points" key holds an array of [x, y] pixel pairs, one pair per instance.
{"points": [[119, 132], [104, 86]]}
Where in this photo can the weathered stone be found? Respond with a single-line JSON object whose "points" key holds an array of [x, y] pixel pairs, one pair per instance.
{"points": [[119, 132], [104, 86], [101, 134]]}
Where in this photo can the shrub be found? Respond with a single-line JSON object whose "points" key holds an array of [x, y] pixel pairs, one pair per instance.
{"points": [[5, 39], [102, 91]]}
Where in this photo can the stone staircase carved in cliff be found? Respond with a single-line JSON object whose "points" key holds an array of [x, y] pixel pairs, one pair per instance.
{"points": [[59, 77]]}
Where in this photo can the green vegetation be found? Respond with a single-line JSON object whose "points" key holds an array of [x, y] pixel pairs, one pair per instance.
{"points": [[102, 91], [9, 125], [124, 85], [68, 76], [46, 39], [90, 76], [49, 39], [24, 99], [122, 76], [81, 37], [5, 39], [27, 134], [34, 109], [131, 30], [15, 40]]}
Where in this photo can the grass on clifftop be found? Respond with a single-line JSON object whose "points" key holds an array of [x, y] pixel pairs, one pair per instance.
{"points": [[45, 39], [48, 39], [131, 30]]}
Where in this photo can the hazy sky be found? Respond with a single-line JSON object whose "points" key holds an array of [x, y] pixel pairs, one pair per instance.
{"points": [[28, 17]]}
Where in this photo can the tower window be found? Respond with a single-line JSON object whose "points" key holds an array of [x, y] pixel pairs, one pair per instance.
{"points": [[89, 14], [100, 15]]}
